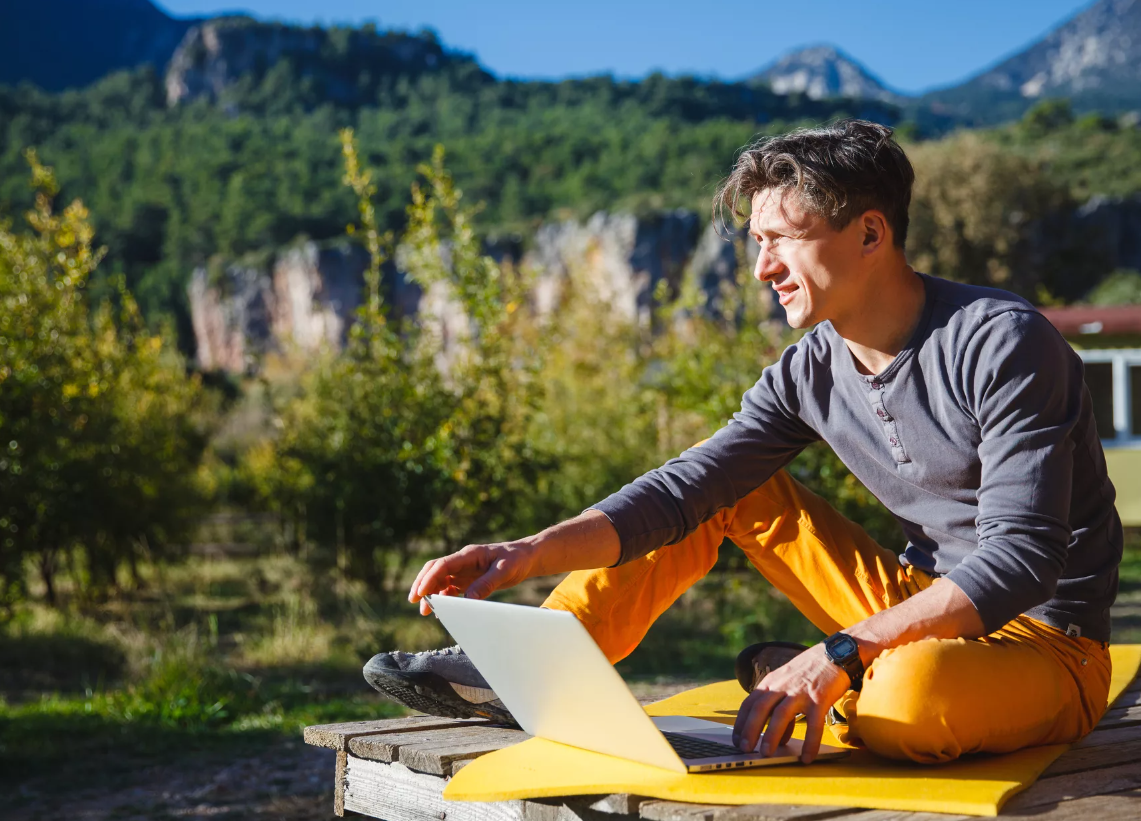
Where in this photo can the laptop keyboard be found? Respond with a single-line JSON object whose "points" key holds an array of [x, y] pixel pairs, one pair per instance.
{"points": [[689, 747]]}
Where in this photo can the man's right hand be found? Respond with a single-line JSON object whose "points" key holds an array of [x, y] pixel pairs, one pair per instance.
{"points": [[475, 572]]}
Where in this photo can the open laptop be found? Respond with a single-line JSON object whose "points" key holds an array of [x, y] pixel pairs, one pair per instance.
{"points": [[555, 680]]}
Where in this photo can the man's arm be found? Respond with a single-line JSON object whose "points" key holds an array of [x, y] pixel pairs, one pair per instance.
{"points": [[811, 684]]}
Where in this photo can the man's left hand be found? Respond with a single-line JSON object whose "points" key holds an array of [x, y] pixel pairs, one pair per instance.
{"points": [[809, 684]]}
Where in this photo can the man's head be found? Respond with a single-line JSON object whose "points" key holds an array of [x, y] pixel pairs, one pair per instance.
{"points": [[828, 207]]}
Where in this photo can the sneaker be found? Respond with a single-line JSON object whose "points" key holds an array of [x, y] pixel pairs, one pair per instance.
{"points": [[758, 660], [437, 682]]}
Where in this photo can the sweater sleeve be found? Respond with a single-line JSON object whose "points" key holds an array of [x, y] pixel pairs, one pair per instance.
{"points": [[666, 504], [1024, 385]]}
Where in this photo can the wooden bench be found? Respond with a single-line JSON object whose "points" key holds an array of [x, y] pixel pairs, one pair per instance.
{"points": [[396, 770]]}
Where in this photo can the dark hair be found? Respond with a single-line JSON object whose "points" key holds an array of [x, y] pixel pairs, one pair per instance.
{"points": [[839, 171]]}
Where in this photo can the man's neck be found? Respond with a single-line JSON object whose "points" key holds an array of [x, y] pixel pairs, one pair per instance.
{"points": [[879, 329]]}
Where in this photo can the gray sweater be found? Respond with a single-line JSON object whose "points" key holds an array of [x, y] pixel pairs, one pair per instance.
{"points": [[979, 438]]}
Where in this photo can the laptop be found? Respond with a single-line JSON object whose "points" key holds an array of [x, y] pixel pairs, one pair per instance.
{"points": [[555, 680]]}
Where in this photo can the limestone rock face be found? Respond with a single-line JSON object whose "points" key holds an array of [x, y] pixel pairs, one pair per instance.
{"points": [[303, 299], [618, 257], [231, 318], [340, 65]]}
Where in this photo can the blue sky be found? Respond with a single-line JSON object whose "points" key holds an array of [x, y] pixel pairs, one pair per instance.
{"points": [[912, 45]]}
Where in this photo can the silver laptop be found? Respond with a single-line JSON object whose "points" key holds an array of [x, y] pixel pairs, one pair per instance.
{"points": [[555, 680]]}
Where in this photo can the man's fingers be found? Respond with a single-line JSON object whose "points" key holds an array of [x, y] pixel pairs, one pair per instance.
{"points": [[439, 573], [412, 594], [751, 718], [486, 584], [781, 721], [787, 737], [814, 729]]}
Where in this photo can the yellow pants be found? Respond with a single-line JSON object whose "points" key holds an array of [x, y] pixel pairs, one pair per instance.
{"points": [[929, 701]]}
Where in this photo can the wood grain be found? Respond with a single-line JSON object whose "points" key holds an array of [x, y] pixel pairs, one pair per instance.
{"points": [[1115, 735], [395, 793], [1118, 807], [1091, 758], [1120, 717], [1078, 785], [434, 751], [337, 736], [680, 811], [339, 784]]}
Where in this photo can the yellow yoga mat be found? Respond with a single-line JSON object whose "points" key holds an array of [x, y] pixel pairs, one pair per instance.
{"points": [[974, 785]]}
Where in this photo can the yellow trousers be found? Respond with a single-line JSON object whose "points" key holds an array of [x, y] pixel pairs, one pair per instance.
{"points": [[928, 701]]}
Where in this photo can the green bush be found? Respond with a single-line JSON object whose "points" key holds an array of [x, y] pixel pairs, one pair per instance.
{"points": [[101, 441]]}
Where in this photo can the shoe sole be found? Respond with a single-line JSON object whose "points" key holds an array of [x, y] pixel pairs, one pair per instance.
{"points": [[432, 694]]}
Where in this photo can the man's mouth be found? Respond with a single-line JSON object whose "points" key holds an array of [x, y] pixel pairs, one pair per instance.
{"points": [[784, 294]]}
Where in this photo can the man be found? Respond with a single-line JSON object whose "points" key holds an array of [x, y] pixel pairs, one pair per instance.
{"points": [[959, 407]]}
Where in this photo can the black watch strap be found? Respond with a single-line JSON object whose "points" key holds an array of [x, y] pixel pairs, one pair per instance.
{"points": [[843, 651]]}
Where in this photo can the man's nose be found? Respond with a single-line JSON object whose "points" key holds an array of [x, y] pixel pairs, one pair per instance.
{"points": [[768, 266]]}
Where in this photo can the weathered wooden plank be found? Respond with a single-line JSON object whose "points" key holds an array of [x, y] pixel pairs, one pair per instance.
{"points": [[1078, 759], [1114, 735], [899, 815], [339, 784], [439, 758], [1118, 807], [336, 736], [389, 747], [1120, 717], [619, 804], [1128, 699], [395, 793], [572, 808], [680, 811], [1078, 785]]}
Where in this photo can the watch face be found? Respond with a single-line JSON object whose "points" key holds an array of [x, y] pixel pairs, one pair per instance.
{"points": [[843, 647]]}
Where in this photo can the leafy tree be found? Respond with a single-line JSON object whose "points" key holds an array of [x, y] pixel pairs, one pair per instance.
{"points": [[97, 415], [974, 213]]}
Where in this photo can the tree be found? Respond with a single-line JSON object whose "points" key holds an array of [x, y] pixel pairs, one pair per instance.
{"points": [[101, 442]]}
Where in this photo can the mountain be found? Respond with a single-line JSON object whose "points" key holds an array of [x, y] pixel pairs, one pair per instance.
{"points": [[823, 72], [1094, 59], [226, 58], [58, 44]]}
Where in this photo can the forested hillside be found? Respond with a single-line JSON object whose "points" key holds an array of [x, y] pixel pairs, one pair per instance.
{"points": [[255, 164]]}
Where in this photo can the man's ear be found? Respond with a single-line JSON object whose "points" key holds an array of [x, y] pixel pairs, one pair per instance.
{"points": [[874, 231]]}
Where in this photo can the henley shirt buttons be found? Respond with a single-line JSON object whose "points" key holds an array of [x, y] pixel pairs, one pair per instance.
{"points": [[876, 386]]}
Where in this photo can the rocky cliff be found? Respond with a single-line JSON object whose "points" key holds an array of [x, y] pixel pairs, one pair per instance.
{"points": [[304, 299], [339, 66]]}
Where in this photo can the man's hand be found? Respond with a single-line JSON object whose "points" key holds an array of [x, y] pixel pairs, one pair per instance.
{"points": [[582, 543], [476, 572], [809, 684]]}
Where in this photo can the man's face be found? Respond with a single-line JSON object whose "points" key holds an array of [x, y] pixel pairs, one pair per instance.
{"points": [[815, 269]]}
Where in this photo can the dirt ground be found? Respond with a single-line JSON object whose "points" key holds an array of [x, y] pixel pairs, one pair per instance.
{"points": [[290, 781]]}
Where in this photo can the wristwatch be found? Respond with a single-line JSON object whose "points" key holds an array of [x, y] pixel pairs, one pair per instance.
{"points": [[843, 651]]}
